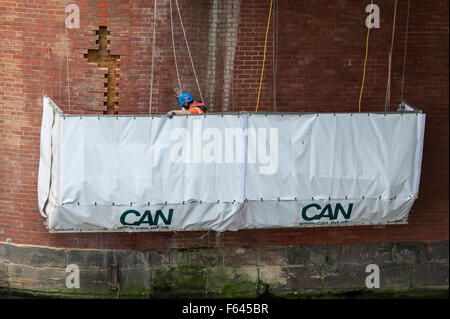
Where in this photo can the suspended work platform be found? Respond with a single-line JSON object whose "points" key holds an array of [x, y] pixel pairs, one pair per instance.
{"points": [[227, 171]]}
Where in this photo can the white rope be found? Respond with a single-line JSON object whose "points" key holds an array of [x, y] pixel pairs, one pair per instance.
{"points": [[173, 46], [404, 54], [60, 80], [153, 57], [49, 71], [67, 62], [388, 86], [189, 51], [233, 93]]}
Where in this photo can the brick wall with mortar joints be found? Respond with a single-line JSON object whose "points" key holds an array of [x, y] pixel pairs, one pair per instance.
{"points": [[320, 56]]}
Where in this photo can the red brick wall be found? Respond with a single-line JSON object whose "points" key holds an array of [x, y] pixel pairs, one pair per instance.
{"points": [[320, 52]]}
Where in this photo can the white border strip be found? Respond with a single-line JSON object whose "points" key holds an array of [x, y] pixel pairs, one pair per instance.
{"points": [[419, 152]]}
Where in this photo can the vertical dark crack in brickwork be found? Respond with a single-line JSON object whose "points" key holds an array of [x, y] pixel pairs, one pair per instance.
{"points": [[104, 59]]}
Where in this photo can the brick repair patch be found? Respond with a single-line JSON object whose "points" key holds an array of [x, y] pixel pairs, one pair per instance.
{"points": [[104, 60]]}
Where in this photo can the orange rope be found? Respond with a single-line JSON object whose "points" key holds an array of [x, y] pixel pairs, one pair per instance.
{"points": [[365, 59], [264, 59]]}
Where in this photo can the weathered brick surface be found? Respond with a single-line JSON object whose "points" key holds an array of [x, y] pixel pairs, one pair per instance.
{"points": [[319, 54]]}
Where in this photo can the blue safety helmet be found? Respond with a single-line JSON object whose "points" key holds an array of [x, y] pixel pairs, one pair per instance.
{"points": [[185, 98]]}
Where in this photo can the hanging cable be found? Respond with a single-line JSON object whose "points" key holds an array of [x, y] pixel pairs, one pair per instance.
{"points": [[189, 51], [60, 80], [404, 54], [233, 91], [275, 54], [173, 46], [264, 57], [67, 63], [365, 60], [49, 71], [387, 101], [153, 58]]}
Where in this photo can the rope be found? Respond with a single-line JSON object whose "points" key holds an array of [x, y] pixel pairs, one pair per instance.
{"points": [[233, 91], [60, 80], [275, 55], [189, 51], [67, 63], [264, 58], [387, 101], [388, 86], [404, 54], [365, 59], [153, 58], [49, 71], [173, 46]]}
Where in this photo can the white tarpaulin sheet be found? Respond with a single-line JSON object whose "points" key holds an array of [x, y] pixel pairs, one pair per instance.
{"points": [[227, 171]]}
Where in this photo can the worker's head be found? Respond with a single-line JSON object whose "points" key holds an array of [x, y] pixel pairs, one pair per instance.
{"points": [[185, 100]]}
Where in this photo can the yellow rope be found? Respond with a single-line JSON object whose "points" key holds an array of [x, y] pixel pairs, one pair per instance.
{"points": [[365, 59], [264, 59]]}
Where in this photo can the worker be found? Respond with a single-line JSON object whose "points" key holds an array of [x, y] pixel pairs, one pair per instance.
{"points": [[188, 106]]}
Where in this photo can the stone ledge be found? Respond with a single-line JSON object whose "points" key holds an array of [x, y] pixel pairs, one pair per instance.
{"points": [[30, 277], [32, 255], [230, 272], [430, 274]]}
